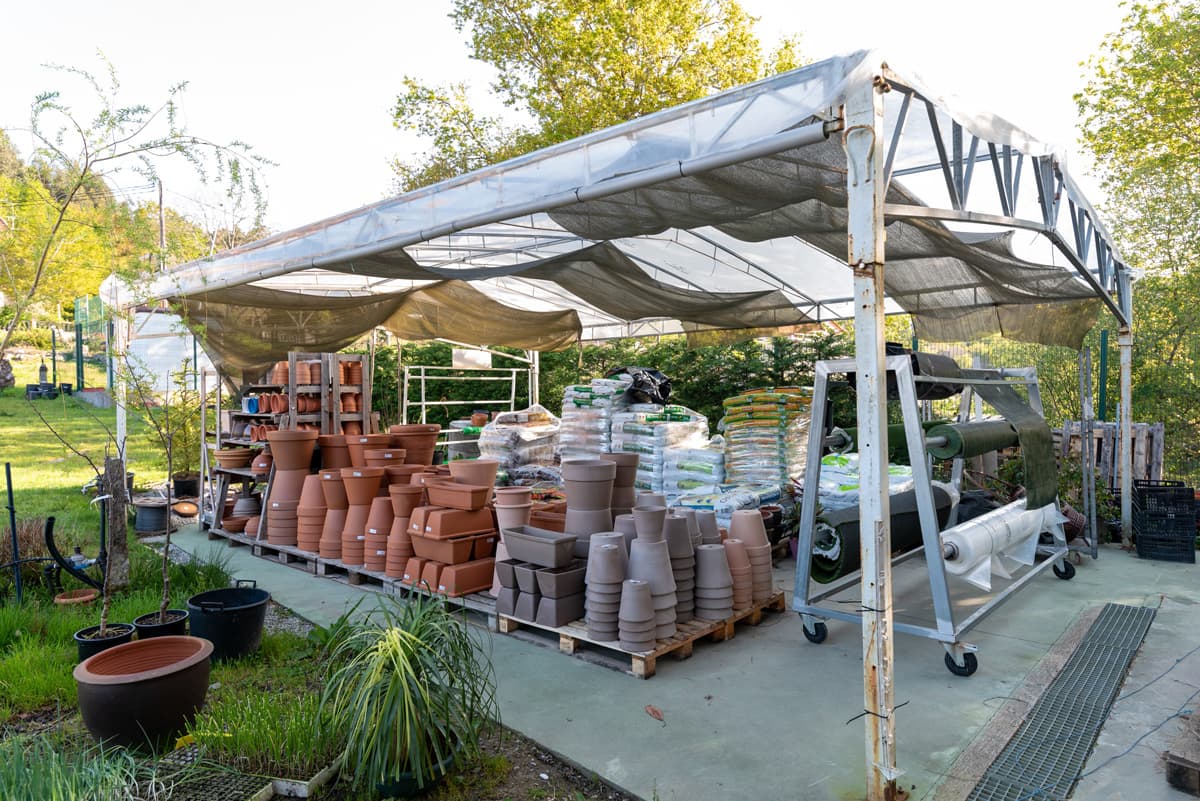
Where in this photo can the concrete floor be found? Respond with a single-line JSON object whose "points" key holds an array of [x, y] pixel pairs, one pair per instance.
{"points": [[764, 716]]}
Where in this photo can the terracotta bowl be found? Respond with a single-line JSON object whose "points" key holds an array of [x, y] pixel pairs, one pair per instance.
{"points": [[475, 471]]}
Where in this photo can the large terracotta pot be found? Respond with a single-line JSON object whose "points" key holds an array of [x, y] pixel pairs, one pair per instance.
{"points": [[362, 484], [292, 450], [288, 484], [360, 444], [480, 472], [334, 451], [418, 439], [143, 692], [334, 489], [405, 498]]}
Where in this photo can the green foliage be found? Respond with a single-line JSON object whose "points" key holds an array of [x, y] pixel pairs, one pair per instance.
{"points": [[34, 674], [576, 66], [40, 769], [329, 640], [282, 734], [408, 689], [172, 430]]}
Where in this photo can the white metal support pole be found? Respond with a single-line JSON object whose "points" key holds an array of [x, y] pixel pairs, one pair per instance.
{"points": [[1125, 342], [864, 142], [535, 378]]}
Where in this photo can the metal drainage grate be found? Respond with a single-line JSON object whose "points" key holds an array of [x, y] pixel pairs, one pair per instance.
{"points": [[1045, 756]]}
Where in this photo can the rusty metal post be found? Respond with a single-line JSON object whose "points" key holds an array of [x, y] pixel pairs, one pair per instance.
{"points": [[1125, 343], [865, 144]]}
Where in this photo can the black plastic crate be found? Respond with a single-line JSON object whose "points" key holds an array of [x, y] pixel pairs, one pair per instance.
{"points": [[1167, 539], [1165, 499]]}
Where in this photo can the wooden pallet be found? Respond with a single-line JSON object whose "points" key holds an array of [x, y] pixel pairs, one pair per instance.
{"points": [[289, 555], [355, 575], [644, 664]]}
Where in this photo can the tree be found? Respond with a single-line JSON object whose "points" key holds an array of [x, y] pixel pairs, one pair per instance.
{"points": [[575, 66], [75, 156]]}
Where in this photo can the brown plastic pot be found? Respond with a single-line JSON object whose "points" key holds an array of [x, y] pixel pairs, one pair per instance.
{"points": [[362, 484], [454, 495], [143, 692], [292, 450]]}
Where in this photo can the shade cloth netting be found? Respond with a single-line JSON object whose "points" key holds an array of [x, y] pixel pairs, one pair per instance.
{"points": [[750, 237]]}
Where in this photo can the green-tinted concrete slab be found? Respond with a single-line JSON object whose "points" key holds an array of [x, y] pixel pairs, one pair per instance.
{"points": [[765, 715]]}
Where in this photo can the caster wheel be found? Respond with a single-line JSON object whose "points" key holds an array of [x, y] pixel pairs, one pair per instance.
{"points": [[818, 634], [1067, 572], [969, 666]]}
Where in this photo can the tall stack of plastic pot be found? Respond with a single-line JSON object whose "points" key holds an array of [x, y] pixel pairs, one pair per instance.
{"points": [[623, 492], [336, 505], [636, 626], [418, 440], [714, 583], [292, 453], [588, 484], [607, 572], [310, 515], [362, 486], [747, 526], [379, 526], [683, 566], [404, 498], [650, 561]]}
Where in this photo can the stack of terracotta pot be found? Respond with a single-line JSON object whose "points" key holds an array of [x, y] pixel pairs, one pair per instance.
{"points": [[379, 526], [683, 565], [740, 571], [605, 574], [417, 439], [588, 484], [383, 457], [747, 526], [359, 445], [349, 402], [302, 374], [401, 473], [334, 490], [278, 373], [351, 428], [714, 583], [281, 522], [310, 515], [362, 486], [623, 493], [292, 454], [636, 620], [404, 498], [352, 372]]}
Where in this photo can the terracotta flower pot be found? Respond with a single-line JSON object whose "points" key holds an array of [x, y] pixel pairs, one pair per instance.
{"points": [[475, 471], [379, 519], [513, 516], [513, 496], [334, 452], [362, 484], [311, 495], [287, 484], [143, 692], [358, 445], [292, 450], [747, 526], [334, 489], [77, 597], [382, 457], [648, 520], [405, 498], [261, 464], [351, 428]]}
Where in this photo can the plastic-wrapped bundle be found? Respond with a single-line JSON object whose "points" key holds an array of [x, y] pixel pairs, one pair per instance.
{"points": [[689, 470], [766, 435], [652, 434], [839, 480], [527, 437], [726, 500], [587, 413]]}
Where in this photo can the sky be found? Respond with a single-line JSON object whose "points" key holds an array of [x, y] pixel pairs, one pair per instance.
{"points": [[311, 85]]}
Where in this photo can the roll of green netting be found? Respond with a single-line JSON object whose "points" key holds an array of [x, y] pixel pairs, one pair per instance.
{"points": [[972, 439], [897, 439]]}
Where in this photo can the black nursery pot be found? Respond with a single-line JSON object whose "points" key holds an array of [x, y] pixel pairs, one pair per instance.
{"points": [[148, 626], [87, 645], [230, 618]]}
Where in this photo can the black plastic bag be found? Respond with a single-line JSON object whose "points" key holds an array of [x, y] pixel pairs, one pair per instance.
{"points": [[649, 386]]}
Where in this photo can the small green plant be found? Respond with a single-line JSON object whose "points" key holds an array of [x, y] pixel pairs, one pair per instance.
{"points": [[328, 640], [283, 735], [412, 689]]}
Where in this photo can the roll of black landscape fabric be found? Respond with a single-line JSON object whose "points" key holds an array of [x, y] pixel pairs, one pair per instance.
{"points": [[1033, 433], [836, 546]]}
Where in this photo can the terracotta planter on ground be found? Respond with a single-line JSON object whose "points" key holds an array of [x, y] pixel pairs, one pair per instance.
{"points": [[292, 450], [144, 692], [76, 597]]}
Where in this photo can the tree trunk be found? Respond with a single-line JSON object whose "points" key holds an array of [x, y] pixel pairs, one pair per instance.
{"points": [[118, 521]]}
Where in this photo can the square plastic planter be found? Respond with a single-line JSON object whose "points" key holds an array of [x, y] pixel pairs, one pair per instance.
{"points": [[506, 601], [527, 606], [526, 580], [559, 611], [539, 546], [561, 582], [508, 579]]}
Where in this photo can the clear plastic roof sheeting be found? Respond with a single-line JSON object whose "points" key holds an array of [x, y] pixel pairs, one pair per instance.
{"points": [[724, 214]]}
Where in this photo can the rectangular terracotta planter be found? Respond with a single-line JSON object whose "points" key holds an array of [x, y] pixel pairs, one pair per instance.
{"points": [[542, 547], [412, 571], [441, 523], [561, 582], [559, 611], [526, 580], [431, 575], [469, 577], [504, 572], [485, 545], [452, 551], [457, 496]]}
